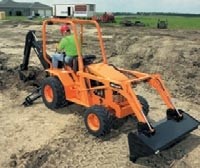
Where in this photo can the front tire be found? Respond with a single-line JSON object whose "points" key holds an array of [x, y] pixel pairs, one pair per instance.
{"points": [[98, 120], [53, 93]]}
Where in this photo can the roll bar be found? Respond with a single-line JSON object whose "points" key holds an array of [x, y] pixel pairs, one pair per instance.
{"points": [[73, 23]]}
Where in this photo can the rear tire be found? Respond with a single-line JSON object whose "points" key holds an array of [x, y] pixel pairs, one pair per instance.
{"points": [[53, 93], [118, 122], [98, 120]]}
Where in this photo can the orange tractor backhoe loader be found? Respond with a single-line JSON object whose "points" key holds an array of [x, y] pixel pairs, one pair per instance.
{"points": [[108, 94]]}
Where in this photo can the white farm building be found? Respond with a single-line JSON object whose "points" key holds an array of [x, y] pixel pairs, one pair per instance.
{"points": [[74, 10]]}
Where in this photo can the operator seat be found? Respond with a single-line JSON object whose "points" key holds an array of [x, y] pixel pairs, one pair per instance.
{"points": [[87, 60]]}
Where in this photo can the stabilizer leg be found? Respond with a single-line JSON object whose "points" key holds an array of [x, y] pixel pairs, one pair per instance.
{"points": [[36, 94]]}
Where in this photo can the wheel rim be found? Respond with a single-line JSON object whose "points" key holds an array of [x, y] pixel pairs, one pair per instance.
{"points": [[93, 122], [48, 93]]}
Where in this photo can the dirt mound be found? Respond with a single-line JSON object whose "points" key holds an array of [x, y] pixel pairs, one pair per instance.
{"points": [[78, 149], [168, 55]]}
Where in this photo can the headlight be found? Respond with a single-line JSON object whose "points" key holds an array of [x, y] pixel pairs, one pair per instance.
{"points": [[114, 85]]}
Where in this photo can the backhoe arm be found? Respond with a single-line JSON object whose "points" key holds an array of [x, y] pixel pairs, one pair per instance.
{"points": [[32, 42]]}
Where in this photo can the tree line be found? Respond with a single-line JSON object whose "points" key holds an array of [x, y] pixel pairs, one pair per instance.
{"points": [[156, 13]]}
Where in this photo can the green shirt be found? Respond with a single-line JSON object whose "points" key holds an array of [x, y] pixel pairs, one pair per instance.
{"points": [[68, 45]]}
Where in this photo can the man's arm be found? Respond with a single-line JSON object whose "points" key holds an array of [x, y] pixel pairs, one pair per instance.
{"points": [[61, 45]]}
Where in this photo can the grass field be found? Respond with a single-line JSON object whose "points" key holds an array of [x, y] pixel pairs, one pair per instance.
{"points": [[21, 18], [174, 22]]}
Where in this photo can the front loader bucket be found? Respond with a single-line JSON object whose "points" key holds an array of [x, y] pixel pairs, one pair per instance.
{"points": [[167, 134]]}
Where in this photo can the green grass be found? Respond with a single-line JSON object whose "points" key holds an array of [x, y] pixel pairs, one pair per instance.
{"points": [[16, 18], [22, 18], [174, 22]]}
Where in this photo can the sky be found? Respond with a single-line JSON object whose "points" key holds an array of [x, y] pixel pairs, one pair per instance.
{"points": [[178, 6]]}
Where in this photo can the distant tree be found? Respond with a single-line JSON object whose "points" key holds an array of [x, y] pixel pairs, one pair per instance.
{"points": [[168, 14]]}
